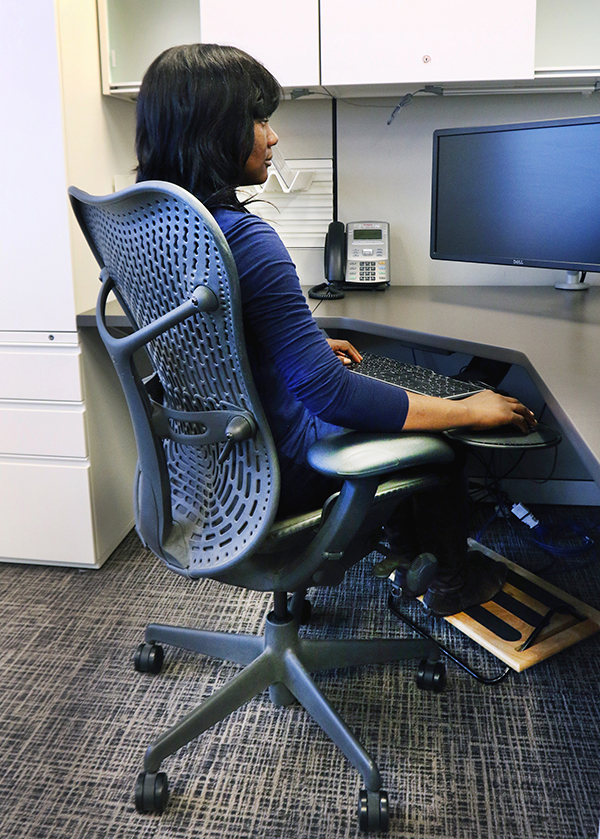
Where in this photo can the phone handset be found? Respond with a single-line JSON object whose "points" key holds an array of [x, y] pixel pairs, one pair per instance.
{"points": [[334, 264], [335, 253]]}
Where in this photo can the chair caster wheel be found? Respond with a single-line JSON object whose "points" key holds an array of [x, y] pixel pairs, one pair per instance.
{"points": [[373, 811], [431, 676], [151, 792], [148, 658]]}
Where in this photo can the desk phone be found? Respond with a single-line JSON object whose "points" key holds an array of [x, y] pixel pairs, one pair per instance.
{"points": [[367, 252]]}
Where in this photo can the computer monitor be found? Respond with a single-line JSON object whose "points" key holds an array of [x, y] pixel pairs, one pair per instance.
{"points": [[526, 194]]}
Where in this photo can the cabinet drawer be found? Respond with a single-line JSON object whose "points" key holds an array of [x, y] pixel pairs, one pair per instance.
{"points": [[56, 430], [45, 512], [40, 374]]}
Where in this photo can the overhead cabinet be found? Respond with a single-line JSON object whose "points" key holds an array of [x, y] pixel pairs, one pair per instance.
{"points": [[353, 47]]}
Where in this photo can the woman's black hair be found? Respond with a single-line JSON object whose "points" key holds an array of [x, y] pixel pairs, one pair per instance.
{"points": [[196, 112]]}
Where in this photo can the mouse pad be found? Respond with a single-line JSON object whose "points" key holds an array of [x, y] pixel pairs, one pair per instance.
{"points": [[528, 621], [508, 437]]}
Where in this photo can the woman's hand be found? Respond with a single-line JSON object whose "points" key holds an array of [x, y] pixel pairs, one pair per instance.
{"points": [[344, 350], [481, 411], [490, 410]]}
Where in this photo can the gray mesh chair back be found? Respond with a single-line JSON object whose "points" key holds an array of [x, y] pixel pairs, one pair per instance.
{"points": [[207, 487]]}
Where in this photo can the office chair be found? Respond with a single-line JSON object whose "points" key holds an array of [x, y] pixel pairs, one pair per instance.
{"points": [[207, 483]]}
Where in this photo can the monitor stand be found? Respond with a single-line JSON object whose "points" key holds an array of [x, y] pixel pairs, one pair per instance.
{"points": [[574, 282]]}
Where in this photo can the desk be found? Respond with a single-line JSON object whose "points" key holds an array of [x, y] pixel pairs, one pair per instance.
{"points": [[554, 335]]}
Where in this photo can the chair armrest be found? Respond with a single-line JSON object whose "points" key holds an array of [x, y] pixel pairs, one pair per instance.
{"points": [[354, 454]]}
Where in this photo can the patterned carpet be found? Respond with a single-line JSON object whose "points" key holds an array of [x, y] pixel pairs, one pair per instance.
{"points": [[519, 759]]}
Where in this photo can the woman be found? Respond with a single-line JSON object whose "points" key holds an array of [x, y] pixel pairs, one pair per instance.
{"points": [[203, 123]]}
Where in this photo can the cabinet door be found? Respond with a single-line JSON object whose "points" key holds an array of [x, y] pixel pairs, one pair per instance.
{"points": [[284, 37], [430, 41]]}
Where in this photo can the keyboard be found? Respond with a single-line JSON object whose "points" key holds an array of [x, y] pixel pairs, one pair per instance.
{"points": [[414, 378]]}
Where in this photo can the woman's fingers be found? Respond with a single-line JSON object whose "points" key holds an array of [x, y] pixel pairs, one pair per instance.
{"points": [[345, 351]]}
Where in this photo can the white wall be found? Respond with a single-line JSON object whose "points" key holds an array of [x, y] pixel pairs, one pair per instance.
{"points": [[385, 171]]}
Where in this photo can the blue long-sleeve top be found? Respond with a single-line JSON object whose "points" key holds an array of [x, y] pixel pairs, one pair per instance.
{"points": [[305, 390]]}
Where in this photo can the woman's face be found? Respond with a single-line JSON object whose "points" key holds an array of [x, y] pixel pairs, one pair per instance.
{"points": [[257, 165]]}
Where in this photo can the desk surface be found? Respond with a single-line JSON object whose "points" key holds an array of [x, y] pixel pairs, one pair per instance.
{"points": [[554, 335]]}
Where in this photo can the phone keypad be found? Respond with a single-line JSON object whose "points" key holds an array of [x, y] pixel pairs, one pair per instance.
{"points": [[367, 272]]}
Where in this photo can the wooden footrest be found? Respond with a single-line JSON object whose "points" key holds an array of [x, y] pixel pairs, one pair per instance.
{"points": [[528, 621]]}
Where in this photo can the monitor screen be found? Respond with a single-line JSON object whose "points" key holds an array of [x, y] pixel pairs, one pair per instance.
{"points": [[525, 194]]}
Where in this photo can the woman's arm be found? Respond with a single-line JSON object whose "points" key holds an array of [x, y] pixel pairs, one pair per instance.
{"points": [[425, 413], [279, 323]]}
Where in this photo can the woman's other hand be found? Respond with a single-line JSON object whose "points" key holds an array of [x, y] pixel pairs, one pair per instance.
{"points": [[344, 350]]}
